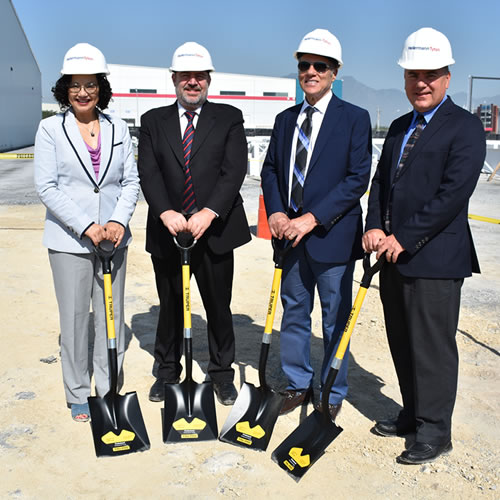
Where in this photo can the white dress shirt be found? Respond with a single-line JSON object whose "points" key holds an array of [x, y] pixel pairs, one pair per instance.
{"points": [[317, 120]]}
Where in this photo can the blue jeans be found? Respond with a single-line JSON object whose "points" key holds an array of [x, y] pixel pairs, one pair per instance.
{"points": [[301, 275]]}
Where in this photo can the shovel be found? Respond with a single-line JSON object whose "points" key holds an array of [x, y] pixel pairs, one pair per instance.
{"points": [[117, 424], [255, 411], [189, 412], [298, 452]]}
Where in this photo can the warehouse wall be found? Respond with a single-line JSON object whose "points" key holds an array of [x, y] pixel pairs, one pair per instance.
{"points": [[20, 83]]}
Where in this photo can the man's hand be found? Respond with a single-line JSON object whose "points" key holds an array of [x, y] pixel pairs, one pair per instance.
{"points": [[278, 224], [392, 247], [199, 222], [96, 233], [174, 221], [375, 240], [299, 227], [114, 232], [371, 240]]}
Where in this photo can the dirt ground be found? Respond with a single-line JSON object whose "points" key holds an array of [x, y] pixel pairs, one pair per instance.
{"points": [[44, 454]]}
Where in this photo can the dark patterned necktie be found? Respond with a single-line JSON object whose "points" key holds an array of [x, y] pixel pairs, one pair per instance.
{"points": [[299, 168], [411, 142], [406, 152], [188, 198]]}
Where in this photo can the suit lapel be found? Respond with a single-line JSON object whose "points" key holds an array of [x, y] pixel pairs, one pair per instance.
{"points": [[398, 142], [172, 131], [289, 129], [206, 122], [107, 140], [77, 143], [330, 121]]}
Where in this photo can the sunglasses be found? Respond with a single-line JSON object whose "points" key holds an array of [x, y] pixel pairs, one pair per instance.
{"points": [[319, 66]]}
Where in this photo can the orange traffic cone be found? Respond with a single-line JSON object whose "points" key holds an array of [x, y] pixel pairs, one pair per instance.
{"points": [[262, 225]]}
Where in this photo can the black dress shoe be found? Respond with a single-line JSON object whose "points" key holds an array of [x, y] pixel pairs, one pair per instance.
{"points": [[295, 398], [157, 391], [333, 409], [422, 453], [392, 428], [226, 392]]}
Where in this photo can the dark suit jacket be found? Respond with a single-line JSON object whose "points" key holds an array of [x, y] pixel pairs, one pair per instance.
{"points": [[338, 175], [218, 167], [431, 195]]}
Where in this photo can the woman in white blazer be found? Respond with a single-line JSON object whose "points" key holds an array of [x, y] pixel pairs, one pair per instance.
{"points": [[86, 176]]}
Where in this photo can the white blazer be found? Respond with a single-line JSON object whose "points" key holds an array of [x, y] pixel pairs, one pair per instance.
{"points": [[66, 183]]}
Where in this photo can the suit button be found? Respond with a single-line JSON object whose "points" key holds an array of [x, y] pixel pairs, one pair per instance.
{"points": [[96, 190]]}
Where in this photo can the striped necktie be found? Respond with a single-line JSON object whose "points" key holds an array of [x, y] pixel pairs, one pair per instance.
{"points": [[299, 168], [411, 142], [188, 198], [406, 152]]}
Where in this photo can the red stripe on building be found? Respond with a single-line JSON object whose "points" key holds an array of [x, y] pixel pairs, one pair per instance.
{"points": [[215, 97]]}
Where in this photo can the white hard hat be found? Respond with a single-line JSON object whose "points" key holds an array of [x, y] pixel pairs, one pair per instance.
{"points": [[427, 48], [84, 59], [321, 43], [191, 56]]}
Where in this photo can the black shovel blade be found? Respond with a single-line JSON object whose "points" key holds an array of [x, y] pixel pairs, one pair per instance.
{"points": [[117, 425], [298, 452], [252, 418], [189, 412]]}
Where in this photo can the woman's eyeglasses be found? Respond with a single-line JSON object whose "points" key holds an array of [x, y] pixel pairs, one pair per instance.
{"points": [[90, 87]]}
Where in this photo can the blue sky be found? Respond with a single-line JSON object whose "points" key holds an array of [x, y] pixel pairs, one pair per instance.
{"points": [[259, 37]]}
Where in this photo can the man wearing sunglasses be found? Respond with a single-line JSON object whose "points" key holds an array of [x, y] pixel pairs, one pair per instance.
{"points": [[315, 172]]}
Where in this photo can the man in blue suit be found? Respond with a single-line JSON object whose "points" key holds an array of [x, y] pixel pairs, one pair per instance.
{"points": [[417, 215], [316, 170]]}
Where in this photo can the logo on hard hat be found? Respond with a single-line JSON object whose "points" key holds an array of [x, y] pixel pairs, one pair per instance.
{"points": [[190, 55], [87, 58], [432, 49], [324, 40]]}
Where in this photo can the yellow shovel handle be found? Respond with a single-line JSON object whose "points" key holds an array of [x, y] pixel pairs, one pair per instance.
{"points": [[108, 299], [351, 321], [186, 277], [271, 309]]}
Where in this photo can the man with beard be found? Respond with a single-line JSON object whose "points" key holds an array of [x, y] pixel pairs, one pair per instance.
{"points": [[192, 162]]}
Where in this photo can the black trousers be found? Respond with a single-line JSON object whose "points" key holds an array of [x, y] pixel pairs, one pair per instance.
{"points": [[421, 317], [214, 277]]}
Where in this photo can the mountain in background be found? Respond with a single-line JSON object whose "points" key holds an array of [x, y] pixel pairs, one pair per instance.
{"points": [[392, 103]]}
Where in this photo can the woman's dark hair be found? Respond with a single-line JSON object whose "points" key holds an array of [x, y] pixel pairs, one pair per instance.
{"points": [[60, 91]]}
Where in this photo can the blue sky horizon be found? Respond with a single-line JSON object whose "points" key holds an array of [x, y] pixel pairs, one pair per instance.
{"points": [[260, 37]]}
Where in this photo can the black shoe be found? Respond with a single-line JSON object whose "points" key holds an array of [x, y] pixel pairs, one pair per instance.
{"points": [[157, 391], [226, 392], [392, 428], [294, 398], [422, 453], [333, 409]]}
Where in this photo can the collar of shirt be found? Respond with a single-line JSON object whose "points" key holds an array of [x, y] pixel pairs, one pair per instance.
{"points": [[413, 125], [427, 115], [183, 118]]}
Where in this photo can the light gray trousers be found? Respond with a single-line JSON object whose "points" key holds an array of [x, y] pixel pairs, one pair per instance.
{"points": [[78, 280]]}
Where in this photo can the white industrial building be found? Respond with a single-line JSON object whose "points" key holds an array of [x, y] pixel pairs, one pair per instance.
{"points": [[20, 83], [137, 89]]}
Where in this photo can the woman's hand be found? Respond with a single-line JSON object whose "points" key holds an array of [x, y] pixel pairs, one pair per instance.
{"points": [[114, 232], [96, 233]]}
